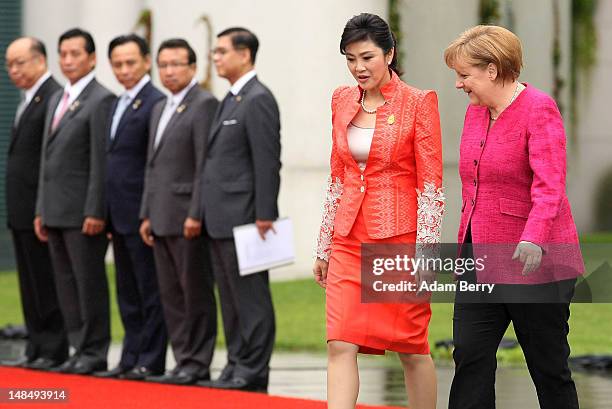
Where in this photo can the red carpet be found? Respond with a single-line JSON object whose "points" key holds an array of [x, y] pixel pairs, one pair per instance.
{"points": [[87, 392]]}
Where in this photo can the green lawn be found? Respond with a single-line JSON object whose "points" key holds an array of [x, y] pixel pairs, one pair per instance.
{"points": [[300, 313]]}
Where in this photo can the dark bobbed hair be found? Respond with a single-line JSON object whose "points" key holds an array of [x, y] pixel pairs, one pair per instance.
{"points": [[366, 26], [38, 47], [143, 47], [241, 39], [90, 46], [178, 43]]}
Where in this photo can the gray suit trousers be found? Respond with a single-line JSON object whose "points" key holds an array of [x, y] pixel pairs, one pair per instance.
{"points": [[186, 287], [82, 290], [248, 314]]}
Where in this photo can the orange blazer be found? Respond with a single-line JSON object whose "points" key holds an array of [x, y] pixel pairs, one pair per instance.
{"points": [[403, 172]]}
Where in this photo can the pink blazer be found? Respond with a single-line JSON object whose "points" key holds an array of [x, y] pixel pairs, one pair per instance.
{"points": [[513, 185]]}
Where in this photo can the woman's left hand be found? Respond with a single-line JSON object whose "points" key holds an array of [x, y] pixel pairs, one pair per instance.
{"points": [[530, 255], [424, 276]]}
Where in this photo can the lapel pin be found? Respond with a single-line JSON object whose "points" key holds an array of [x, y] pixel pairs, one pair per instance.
{"points": [[238, 98], [37, 99], [74, 105], [181, 108], [391, 119], [136, 104]]}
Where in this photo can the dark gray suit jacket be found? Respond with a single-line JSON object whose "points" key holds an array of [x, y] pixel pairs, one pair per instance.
{"points": [[173, 171], [23, 161], [241, 172], [71, 181]]}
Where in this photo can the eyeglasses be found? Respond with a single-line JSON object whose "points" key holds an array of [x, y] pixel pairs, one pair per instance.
{"points": [[164, 66], [17, 63], [222, 51]]}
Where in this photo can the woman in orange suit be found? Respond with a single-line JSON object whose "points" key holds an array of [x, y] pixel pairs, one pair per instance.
{"points": [[385, 187]]}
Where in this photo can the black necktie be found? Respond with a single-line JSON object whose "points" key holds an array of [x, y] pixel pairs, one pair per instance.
{"points": [[226, 103]]}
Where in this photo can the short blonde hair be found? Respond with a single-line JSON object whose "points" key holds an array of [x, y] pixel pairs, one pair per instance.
{"points": [[483, 45]]}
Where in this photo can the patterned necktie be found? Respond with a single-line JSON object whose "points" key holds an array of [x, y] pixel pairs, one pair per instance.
{"points": [[63, 108], [123, 103]]}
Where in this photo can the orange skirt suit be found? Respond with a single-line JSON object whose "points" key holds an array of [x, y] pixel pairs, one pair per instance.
{"points": [[396, 198]]}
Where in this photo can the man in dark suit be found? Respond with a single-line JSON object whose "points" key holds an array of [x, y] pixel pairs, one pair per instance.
{"points": [[144, 343], [70, 208], [241, 183], [171, 213], [47, 345]]}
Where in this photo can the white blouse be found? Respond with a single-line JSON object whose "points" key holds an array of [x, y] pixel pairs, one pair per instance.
{"points": [[359, 142]]}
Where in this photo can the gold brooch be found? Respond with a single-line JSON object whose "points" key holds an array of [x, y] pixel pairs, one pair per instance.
{"points": [[181, 108], [74, 105], [36, 99], [391, 119], [136, 104]]}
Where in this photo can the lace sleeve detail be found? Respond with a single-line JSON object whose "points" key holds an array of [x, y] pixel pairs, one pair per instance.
{"points": [[330, 206], [430, 208]]}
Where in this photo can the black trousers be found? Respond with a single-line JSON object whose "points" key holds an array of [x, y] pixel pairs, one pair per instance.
{"points": [[145, 340], [186, 287], [248, 315], [541, 329], [82, 290], [43, 318]]}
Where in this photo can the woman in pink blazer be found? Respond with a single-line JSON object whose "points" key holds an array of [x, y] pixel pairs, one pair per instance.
{"points": [[512, 168]]}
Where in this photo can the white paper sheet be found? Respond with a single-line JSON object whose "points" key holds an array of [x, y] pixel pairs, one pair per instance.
{"points": [[255, 254]]}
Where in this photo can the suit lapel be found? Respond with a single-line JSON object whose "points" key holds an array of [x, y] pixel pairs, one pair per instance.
{"points": [[227, 113], [75, 107], [53, 103], [127, 114], [155, 118], [176, 115], [34, 103], [133, 107], [109, 124]]}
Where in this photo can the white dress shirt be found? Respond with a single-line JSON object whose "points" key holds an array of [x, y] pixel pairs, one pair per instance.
{"points": [[238, 85], [27, 96], [30, 92]]}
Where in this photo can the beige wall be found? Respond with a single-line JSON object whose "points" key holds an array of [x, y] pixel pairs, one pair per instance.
{"points": [[594, 153], [300, 62]]}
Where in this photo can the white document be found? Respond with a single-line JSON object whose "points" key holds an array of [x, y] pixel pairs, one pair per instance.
{"points": [[255, 254]]}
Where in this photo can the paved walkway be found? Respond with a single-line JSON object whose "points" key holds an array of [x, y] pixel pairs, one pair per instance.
{"points": [[303, 375]]}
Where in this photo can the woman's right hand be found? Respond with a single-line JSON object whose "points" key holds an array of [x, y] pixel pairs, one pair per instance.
{"points": [[320, 272]]}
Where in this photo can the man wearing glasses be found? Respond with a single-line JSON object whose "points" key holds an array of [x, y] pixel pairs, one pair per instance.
{"points": [[241, 184], [47, 345], [171, 213]]}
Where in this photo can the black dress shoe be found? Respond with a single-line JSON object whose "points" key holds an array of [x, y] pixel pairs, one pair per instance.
{"points": [[226, 374], [82, 367], [116, 372], [180, 377], [140, 374], [66, 366], [42, 364], [240, 384]]}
